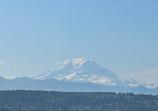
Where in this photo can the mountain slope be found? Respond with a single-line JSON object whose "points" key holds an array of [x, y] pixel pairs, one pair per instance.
{"points": [[69, 86], [83, 70], [79, 75]]}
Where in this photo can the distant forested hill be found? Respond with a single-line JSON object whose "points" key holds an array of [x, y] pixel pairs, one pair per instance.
{"points": [[21, 100]]}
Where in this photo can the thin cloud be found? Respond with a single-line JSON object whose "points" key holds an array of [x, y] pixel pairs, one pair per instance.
{"points": [[3, 62], [149, 76], [20, 66], [66, 61], [63, 63], [57, 63]]}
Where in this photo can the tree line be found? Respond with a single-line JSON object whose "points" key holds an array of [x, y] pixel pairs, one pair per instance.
{"points": [[21, 100]]}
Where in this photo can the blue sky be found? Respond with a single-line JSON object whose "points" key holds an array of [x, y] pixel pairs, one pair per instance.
{"points": [[121, 35]]}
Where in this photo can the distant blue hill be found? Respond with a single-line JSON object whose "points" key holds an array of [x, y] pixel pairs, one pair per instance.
{"points": [[78, 75]]}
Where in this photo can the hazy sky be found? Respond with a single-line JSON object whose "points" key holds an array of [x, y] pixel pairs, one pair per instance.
{"points": [[121, 35]]}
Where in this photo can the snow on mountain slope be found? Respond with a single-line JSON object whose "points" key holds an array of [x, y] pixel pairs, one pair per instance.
{"points": [[79, 75], [131, 82], [83, 70]]}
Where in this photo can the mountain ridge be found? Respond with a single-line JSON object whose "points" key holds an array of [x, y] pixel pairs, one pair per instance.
{"points": [[82, 70], [78, 75], [87, 70]]}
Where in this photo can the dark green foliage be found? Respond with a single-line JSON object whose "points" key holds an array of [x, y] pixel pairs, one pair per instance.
{"points": [[21, 100]]}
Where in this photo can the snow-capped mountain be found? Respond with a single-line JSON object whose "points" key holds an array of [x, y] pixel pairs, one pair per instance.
{"points": [[81, 75], [83, 70]]}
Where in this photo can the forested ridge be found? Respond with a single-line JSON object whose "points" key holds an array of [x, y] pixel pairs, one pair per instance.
{"points": [[21, 100]]}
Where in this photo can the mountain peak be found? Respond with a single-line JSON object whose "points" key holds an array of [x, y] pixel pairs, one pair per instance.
{"points": [[83, 70], [78, 62]]}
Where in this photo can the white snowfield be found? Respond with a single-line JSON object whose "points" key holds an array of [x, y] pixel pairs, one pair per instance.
{"points": [[85, 70]]}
